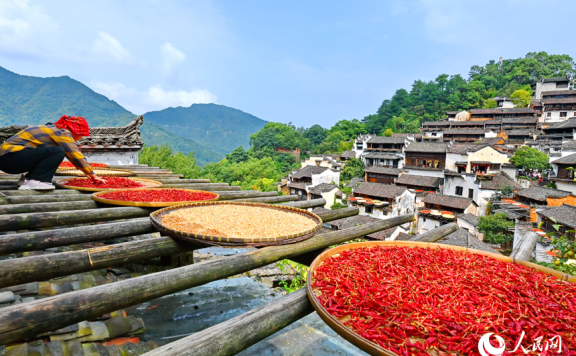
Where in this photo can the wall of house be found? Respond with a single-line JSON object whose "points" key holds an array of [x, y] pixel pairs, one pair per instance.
{"points": [[569, 187], [540, 87], [403, 204], [433, 134], [471, 228], [123, 157], [570, 200], [330, 198], [397, 232], [555, 115], [488, 154], [452, 158], [311, 161], [328, 176], [509, 170], [425, 173], [364, 140], [426, 224]]}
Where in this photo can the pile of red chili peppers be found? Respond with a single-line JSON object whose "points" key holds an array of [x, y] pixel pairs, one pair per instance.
{"points": [[410, 300], [157, 195], [94, 165], [111, 182]]}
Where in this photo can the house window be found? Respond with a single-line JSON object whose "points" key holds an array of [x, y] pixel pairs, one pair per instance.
{"points": [[548, 114], [562, 85], [368, 210], [459, 190], [433, 133], [471, 193], [563, 114]]}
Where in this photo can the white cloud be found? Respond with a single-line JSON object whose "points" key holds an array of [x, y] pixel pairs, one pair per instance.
{"points": [[155, 98], [108, 46], [171, 57]]}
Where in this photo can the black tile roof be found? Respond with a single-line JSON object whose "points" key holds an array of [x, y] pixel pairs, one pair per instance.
{"points": [[502, 111], [433, 147], [570, 159], [354, 182], [498, 181], [383, 170], [421, 181], [308, 171], [465, 132], [489, 141], [569, 145], [558, 92], [463, 238], [464, 148], [553, 101], [469, 218], [383, 156], [348, 154], [346, 223], [382, 139], [567, 124], [564, 214], [448, 201], [380, 190], [541, 193], [322, 188]]}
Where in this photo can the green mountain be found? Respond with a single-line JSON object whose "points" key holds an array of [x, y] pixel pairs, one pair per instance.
{"points": [[26, 100], [217, 126]]}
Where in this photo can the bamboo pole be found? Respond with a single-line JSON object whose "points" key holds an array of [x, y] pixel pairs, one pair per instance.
{"points": [[237, 334], [525, 248], [44, 267], [40, 240], [437, 233], [11, 193], [51, 206], [20, 321], [270, 200], [32, 199]]}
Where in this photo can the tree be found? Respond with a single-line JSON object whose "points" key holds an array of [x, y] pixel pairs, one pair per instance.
{"points": [[529, 158], [521, 98], [275, 135], [350, 129], [388, 133], [237, 155], [495, 228], [353, 168], [316, 134], [490, 104]]}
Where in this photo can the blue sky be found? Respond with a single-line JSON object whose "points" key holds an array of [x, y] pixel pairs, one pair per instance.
{"points": [[305, 62]]}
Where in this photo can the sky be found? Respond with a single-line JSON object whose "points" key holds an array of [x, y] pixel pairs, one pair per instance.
{"points": [[305, 62]]}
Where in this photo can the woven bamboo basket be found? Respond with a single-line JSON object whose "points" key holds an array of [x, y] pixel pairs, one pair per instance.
{"points": [[96, 197], [205, 240], [105, 172], [369, 346], [146, 182]]}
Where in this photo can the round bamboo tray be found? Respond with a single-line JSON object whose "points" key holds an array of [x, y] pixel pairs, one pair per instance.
{"points": [[205, 240], [147, 184], [369, 346], [143, 204], [104, 172]]}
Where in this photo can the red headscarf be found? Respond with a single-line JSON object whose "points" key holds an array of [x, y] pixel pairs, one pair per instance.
{"points": [[77, 125]]}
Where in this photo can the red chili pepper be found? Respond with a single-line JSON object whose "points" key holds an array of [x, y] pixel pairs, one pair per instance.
{"points": [[94, 165], [157, 195], [111, 182], [448, 299]]}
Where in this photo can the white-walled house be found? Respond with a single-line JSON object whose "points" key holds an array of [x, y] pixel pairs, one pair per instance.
{"points": [[426, 158], [467, 158], [360, 144], [329, 192], [321, 161], [300, 182], [442, 209], [470, 223], [391, 200]]}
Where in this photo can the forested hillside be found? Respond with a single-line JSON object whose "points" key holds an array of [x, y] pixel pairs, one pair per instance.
{"points": [[219, 127], [429, 100], [260, 166]]}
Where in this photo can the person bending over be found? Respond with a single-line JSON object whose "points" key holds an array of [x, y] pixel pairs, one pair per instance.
{"points": [[39, 150]]}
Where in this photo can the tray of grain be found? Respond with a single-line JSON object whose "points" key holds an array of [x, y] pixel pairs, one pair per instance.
{"points": [[104, 172], [236, 224], [153, 197], [144, 183], [411, 285]]}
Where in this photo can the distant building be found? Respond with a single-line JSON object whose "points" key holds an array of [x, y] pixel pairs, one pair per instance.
{"points": [[550, 84], [426, 158], [381, 174], [442, 209], [301, 181], [388, 200], [360, 144], [321, 161], [469, 158], [503, 102], [329, 192]]}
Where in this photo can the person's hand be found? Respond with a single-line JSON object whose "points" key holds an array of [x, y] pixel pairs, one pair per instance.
{"points": [[95, 178]]}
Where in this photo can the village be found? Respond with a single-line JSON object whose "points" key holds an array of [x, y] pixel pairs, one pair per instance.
{"points": [[450, 171]]}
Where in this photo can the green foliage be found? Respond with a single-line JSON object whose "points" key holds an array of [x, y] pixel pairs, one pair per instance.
{"points": [[387, 133], [521, 98], [316, 134], [163, 157], [495, 228], [246, 174], [552, 185], [566, 250], [490, 104], [353, 168], [237, 155], [530, 158], [337, 206], [299, 280], [429, 100], [350, 129], [275, 135]]}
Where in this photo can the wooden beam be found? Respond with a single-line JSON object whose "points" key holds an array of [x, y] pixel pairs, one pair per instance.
{"points": [[10, 193], [27, 320], [270, 200], [237, 334], [40, 240], [51, 206], [32, 199], [43, 267]]}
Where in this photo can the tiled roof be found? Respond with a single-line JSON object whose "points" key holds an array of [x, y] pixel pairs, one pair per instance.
{"points": [[509, 214], [564, 215], [354, 182], [126, 136], [465, 132], [348, 154], [463, 238], [569, 145], [521, 132], [383, 234], [558, 92], [502, 111], [421, 181], [567, 124], [553, 101], [415, 135], [470, 218], [380, 190], [383, 170], [437, 123], [346, 223], [456, 124], [404, 237], [448, 200], [555, 79], [308, 171], [498, 181], [464, 148], [570, 159], [541, 193], [382, 156], [322, 188], [433, 147], [382, 139], [489, 141], [520, 120]]}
